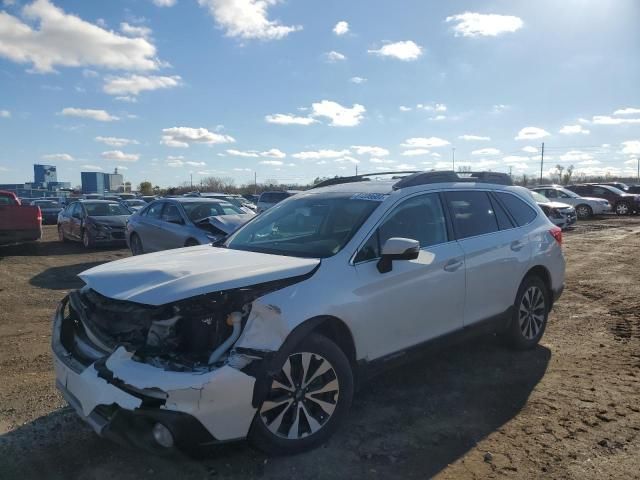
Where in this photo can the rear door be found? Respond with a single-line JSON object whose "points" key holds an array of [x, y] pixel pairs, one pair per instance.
{"points": [[149, 227], [419, 299], [76, 221], [497, 253], [172, 232]]}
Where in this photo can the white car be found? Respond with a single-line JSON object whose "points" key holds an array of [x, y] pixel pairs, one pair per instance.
{"points": [[586, 207], [561, 214], [264, 336]]}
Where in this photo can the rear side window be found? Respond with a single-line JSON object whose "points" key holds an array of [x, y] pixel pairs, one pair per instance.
{"points": [[522, 213], [472, 213], [154, 210]]}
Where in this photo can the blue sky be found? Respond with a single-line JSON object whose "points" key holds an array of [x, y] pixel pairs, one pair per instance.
{"points": [[294, 89]]}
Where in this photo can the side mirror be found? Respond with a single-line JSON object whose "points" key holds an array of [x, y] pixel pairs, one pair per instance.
{"points": [[397, 248]]}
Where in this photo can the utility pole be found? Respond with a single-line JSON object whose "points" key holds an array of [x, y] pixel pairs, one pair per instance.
{"points": [[192, 181], [356, 170], [453, 158], [255, 183], [638, 159], [541, 162]]}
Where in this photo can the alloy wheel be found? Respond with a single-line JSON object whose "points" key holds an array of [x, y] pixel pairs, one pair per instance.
{"points": [[531, 314], [583, 211], [303, 397], [622, 209]]}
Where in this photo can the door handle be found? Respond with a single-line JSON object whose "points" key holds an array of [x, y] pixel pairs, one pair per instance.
{"points": [[517, 245], [452, 265]]}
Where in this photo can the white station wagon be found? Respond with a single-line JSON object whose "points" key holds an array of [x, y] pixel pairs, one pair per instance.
{"points": [[265, 334]]}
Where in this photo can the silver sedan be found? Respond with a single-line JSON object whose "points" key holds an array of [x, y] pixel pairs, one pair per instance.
{"points": [[182, 222]]}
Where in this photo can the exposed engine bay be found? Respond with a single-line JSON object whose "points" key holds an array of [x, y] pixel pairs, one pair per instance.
{"points": [[194, 334]]}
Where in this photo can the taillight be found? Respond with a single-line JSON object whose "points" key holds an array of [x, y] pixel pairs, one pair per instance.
{"points": [[556, 232], [39, 216]]}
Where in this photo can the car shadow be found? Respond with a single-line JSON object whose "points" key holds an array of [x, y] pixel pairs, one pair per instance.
{"points": [[50, 248], [410, 422], [62, 278]]}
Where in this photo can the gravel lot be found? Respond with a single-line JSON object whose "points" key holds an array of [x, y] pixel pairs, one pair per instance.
{"points": [[567, 409]]}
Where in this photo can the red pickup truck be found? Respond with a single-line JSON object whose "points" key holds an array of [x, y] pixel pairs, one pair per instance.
{"points": [[18, 223]]}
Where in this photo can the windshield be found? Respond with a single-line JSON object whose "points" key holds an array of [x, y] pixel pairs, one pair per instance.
{"points": [[273, 197], [46, 204], [105, 209], [615, 190], [199, 210], [539, 198], [313, 225]]}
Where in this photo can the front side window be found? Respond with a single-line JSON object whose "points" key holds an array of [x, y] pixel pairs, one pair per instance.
{"points": [[312, 225], [154, 210], [171, 213], [418, 218], [472, 213]]}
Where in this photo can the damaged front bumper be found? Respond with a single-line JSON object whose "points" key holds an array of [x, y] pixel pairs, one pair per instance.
{"points": [[123, 399]]}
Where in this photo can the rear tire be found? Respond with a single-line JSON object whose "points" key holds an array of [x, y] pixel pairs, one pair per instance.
{"points": [[530, 314], [307, 400], [191, 243], [584, 212], [623, 208]]}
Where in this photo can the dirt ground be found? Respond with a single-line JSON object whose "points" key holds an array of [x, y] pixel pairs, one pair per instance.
{"points": [[568, 409]]}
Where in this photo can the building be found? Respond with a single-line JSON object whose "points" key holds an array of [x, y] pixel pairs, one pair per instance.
{"points": [[94, 182], [115, 181], [44, 174]]}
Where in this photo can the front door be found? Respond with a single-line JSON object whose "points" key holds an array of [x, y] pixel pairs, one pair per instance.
{"points": [[419, 299]]}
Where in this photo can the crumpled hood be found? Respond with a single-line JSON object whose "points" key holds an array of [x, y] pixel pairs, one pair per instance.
{"points": [[111, 220], [230, 223], [172, 275]]}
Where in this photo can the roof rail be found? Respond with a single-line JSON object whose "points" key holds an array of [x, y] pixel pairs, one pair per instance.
{"points": [[360, 178], [422, 178]]}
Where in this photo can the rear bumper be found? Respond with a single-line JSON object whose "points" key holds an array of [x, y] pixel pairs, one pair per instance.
{"points": [[18, 236]]}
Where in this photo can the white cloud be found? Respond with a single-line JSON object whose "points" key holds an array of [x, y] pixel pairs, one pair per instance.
{"points": [[357, 80], [120, 156], [334, 56], [438, 107], [319, 154], [515, 159], [607, 120], [341, 28], [486, 151], [247, 19], [531, 133], [474, 138], [134, 84], [99, 115], [65, 157], [414, 152], [5, 114], [287, 119], [195, 164], [405, 166], [271, 162], [381, 160], [116, 141], [575, 156], [406, 51], [272, 153], [182, 137], [499, 108], [471, 24], [404, 108], [164, 3], [175, 161], [530, 149], [340, 116], [92, 167], [631, 147], [422, 142], [370, 150], [133, 31], [573, 129], [627, 111], [126, 98], [355, 161], [242, 170], [61, 39]]}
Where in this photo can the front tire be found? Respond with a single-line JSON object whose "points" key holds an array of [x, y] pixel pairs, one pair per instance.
{"points": [[307, 400], [136, 245], [530, 314], [87, 241]]}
